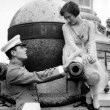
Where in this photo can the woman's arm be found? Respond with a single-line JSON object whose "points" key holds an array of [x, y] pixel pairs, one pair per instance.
{"points": [[91, 44], [70, 41], [22, 76]]}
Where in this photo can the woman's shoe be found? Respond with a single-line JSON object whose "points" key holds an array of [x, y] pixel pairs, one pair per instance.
{"points": [[84, 104], [90, 106]]}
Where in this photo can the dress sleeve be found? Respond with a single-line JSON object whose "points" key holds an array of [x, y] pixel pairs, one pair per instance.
{"points": [[69, 40], [91, 43], [22, 76]]}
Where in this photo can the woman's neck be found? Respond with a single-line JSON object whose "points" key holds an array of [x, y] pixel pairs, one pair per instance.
{"points": [[78, 22]]}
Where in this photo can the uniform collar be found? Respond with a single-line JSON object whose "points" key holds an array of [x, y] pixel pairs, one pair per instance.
{"points": [[17, 62]]}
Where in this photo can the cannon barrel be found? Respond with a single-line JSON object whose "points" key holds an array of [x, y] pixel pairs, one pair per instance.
{"points": [[76, 70]]}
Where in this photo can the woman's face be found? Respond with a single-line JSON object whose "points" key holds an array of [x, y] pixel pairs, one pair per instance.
{"points": [[71, 19]]}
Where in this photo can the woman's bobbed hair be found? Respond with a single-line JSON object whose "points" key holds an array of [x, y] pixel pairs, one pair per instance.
{"points": [[70, 7]]}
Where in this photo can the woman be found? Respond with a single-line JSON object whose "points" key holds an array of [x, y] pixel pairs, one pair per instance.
{"points": [[79, 36]]}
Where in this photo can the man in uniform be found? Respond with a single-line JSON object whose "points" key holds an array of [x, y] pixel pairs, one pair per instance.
{"points": [[21, 84]]}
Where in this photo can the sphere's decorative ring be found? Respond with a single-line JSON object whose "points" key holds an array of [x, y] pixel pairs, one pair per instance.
{"points": [[58, 99]]}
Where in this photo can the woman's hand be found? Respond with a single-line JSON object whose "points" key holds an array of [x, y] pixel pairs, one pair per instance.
{"points": [[88, 59]]}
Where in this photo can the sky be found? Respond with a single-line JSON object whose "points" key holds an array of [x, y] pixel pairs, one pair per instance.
{"points": [[102, 8], [8, 8]]}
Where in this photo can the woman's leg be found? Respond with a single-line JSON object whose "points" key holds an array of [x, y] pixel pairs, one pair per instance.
{"points": [[89, 98], [95, 95], [97, 88]]}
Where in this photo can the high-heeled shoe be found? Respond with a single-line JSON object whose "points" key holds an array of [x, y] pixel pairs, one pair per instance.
{"points": [[89, 106]]}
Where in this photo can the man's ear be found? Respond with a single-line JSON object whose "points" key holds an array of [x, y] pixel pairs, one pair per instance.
{"points": [[13, 52]]}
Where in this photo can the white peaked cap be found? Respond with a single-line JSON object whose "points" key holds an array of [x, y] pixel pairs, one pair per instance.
{"points": [[11, 43], [31, 106]]}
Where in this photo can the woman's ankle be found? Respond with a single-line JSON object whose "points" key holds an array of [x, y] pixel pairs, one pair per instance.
{"points": [[89, 100], [96, 104]]}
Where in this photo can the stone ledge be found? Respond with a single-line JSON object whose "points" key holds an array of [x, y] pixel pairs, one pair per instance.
{"points": [[105, 108], [104, 99]]}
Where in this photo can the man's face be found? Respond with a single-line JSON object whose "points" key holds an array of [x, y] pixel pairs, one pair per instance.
{"points": [[20, 52]]}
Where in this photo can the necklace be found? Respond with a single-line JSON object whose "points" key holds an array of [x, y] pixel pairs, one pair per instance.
{"points": [[80, 30]]}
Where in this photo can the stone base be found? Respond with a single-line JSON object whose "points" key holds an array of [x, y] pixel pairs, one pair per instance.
{"points": [[68, 107]]}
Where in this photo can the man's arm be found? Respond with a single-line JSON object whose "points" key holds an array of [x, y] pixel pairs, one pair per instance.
{"points": [[52, 73], [22, 76]]}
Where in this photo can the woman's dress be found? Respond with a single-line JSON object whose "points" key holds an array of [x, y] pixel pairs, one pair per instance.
{"points": [[80, 45]]}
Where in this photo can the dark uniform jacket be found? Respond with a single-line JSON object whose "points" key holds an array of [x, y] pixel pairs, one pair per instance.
{"points": [[21, 83]]}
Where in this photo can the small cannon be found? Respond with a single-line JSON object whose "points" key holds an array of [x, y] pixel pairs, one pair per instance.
{"points": [[76, 70]]}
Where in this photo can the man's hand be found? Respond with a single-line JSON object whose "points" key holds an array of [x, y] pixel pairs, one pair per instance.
{"points": [[65, 66]]}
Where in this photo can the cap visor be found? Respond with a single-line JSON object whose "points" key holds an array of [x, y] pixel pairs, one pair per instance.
{"points": [[21, 44]]}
